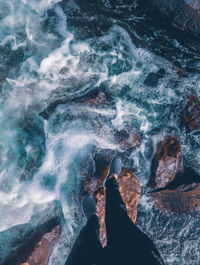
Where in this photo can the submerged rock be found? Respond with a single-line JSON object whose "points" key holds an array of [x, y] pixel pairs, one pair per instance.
{"points": [[191, 113], [130, 191], [151, 79], [184, 14], [42, 250], [166, 163]]}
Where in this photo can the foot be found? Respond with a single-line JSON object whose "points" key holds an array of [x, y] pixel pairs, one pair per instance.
{"points": [[114, 170], [89, 206]]}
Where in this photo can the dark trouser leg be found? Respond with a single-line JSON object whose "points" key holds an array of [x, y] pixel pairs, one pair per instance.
{"points": [[126, 243], [87, 249]]}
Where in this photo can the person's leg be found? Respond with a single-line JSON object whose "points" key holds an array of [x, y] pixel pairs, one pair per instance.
{"points": [[123, 237], [87, 248]]}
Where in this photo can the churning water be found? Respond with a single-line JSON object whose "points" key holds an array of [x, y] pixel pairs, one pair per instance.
{"points": [[58, 51]]}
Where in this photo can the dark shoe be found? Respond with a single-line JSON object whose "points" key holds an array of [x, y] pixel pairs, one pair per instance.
{"points": [[114, 168], [89, 206]]}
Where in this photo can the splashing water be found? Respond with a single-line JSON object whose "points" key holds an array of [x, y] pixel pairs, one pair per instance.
{"points": [[42, 62]]}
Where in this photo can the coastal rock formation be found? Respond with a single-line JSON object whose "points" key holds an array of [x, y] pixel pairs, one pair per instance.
{"points": [[191, 113], [182, 199], [130, 191], [23, 239], [184, 14], [42, 250], [166, 163]]}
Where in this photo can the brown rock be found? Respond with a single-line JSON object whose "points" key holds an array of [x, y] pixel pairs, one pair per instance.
{"points": [[191, 113], [166, 163], [43, 248], [183, 199], [130, 191]]}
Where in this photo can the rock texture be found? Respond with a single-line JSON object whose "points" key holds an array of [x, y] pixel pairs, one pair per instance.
{"points": [[184, 14], [167, 162], [191, 113], [18, 246], [175, 189], [99, 100], [130, 191], [42, 250], [182, 199], [127, 138]]}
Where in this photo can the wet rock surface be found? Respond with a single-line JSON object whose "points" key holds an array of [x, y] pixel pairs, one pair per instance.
{"points": [[152, 79], [191, 113], [176, 189], [185, 14], [127, 138], [42, 250], [166, 163], [99, 100], [182, 199], [24, 237]]}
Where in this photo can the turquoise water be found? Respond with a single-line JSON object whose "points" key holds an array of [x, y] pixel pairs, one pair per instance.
{"points": [[48, 53]]}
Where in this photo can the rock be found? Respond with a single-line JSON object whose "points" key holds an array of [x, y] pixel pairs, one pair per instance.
{"points": [[119, 67], [42, 250], [151, 79], [191, 113], [166, 163], [102, 158], [130, 191], [99, 100], [182, 199], [127, 138], [17, 243], [184, 14]]}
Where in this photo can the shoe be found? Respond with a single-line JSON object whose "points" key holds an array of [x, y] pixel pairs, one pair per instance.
{"points": [[114, 168], [88, 206]]}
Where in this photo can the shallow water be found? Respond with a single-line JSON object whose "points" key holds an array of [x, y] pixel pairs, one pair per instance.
{"points": [[58, 51]]}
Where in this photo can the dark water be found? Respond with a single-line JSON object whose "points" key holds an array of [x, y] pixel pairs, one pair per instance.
{"points": [[54, 52]]}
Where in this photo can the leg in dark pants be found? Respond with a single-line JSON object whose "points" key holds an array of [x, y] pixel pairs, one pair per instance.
{"points": [[87, 249], [126, 244]]}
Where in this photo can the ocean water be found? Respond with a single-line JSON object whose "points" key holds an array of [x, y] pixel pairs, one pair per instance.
{"points": [[53, 53]]}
